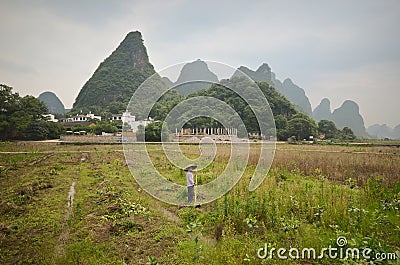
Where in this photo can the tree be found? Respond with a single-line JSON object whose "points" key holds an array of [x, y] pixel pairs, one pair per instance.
{"points": [[104, 126], [281, 125], [348, 134], [282, 109], [329, 129], [302, 127], [8, 105], [153, 132], [116, 107], [22, 118], [54, 130], [37, 130]]}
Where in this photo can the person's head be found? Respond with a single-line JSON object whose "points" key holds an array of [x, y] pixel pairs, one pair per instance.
{"points": [[190, 168]]}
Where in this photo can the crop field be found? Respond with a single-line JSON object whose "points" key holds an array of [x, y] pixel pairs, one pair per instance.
{"points": [[79, 204]]}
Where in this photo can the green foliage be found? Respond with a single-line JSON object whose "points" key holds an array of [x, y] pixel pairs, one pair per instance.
{"points": [[116, 107], [153, 132], [332, 133], [281, 108], [281, 124], [88, 129], [196, 229], [37, 130], [348, 134], [98, 129], [302, 127], [165, 104], [152, 261], [54, 130], [328, 128], [117, 78], [21, 118], [104, 126]]}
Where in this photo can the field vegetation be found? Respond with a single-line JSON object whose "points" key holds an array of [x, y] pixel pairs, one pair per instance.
{"points": [[79, 204]]}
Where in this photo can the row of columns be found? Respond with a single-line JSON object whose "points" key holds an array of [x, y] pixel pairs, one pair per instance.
{"points": [[206, 131]]}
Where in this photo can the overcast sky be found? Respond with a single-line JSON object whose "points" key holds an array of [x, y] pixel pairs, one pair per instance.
{"points": [[335, 49]]}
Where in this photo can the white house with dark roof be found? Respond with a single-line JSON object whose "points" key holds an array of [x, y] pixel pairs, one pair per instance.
{"points": [[131, 121], [81, 118]]}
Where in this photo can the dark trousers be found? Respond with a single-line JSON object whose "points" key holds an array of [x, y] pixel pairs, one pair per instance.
{"points": [[190, 194]]}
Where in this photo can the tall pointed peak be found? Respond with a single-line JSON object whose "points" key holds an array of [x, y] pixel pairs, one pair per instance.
{"points": [[264, 68], [118, 76]]}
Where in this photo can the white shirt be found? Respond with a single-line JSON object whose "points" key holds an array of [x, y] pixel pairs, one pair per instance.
{"points": [[189, 179]]}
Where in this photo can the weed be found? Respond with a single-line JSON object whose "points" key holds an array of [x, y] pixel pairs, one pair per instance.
{"points": [[196, 228], [289, 224], [123, 208], [125, 226], [251, 222], [152, 261]]}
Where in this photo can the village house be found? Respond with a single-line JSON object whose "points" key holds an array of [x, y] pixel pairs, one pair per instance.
{"points": [[50, 117], [80, 118], [130, 120]]}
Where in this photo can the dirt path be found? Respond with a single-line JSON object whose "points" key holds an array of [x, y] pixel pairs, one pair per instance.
{"points": [[171, 216], [41, 159], [71, 195], [64, 235]]}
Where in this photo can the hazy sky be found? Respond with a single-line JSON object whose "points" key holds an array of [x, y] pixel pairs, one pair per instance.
{"points": [[335, 49]]}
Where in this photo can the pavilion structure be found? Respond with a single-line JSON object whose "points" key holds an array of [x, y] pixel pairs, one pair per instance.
{"points": [[220, 133]]}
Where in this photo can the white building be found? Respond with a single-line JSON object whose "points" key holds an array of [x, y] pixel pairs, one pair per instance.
{"points": [[82, 117], [93, 117], [50, 117], [116, 117], [129, 119]]}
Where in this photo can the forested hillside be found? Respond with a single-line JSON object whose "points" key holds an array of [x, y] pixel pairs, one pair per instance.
{"points": [[115, 80]]}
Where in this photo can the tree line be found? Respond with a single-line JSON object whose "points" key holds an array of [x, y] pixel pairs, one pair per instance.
{"points": [[22, 118], [289, 122]]}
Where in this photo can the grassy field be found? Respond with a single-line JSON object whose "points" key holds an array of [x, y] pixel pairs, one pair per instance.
{"points": [[79, 204]]}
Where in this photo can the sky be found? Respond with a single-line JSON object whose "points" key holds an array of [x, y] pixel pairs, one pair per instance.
{"points": [[332, 49]]}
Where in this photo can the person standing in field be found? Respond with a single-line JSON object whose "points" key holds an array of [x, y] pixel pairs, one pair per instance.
{"points": [[190, 182]]}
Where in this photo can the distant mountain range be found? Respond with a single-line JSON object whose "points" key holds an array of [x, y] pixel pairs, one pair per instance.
{"points": [[347, 115], [198, 70], [119, 75], [384, 131], [287, 88]]}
